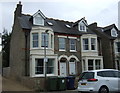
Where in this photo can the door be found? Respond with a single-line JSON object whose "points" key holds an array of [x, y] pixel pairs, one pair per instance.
{"points": [[63, 71], [72, 68]]}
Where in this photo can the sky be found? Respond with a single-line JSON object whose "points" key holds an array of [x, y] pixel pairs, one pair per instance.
{"points": [[104, 12]]}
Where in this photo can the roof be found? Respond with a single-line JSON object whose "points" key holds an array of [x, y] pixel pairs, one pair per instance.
{"points": [[58, 26], [105, 31]]}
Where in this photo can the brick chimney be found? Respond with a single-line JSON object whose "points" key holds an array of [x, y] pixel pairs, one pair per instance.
{"points": [[18, 11]]}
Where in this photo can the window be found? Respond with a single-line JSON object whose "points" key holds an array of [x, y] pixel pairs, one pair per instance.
{"points": [[117, 64], [97, 64], [72, 44], [90, 64], [93, 44], [117, 46], [45, 39], [113, 33], [38, 20], [39, 66], [50, 66], [61, 43], [34, 40], [51, 41], [109, 74], [85, 44], [82, 27], [87, 75]]}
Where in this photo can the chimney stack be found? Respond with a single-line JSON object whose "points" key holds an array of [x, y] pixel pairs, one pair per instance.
{"points": [[18, 11]]}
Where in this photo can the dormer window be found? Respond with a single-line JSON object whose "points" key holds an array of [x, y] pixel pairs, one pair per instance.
{"points": [[38, 20], [114, 33], [82, 26]]}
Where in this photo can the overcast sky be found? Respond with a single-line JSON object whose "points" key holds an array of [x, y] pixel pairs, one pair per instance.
{"points": [[104, 12]]}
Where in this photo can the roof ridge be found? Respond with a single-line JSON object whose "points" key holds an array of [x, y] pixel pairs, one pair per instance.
{"points": [[60, 20]]}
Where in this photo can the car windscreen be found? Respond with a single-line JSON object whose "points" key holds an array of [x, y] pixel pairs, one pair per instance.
{"points": [[87, 75]]}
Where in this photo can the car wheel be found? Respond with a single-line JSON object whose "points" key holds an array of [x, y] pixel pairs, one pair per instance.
{"points": [[103, 90]]}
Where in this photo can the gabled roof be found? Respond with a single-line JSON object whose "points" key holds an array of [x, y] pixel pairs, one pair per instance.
{"points": [[105, 31], [24, 21], [58, 26]]}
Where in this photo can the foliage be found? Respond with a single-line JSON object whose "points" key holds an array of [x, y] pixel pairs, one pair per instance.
{"points": [[5, 48]]}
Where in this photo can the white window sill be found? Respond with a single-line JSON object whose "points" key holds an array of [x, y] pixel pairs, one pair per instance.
{"points": [[61, 50], [73, 51], [42, 75]]}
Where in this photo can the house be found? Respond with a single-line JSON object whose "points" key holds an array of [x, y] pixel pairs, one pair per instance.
{"points": [[0, 63], [68, 48], [110, 44]]}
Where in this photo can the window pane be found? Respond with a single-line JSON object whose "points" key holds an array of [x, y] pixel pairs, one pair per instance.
{"points": [[44, 42], [97, 64], [90, 64], [72, 44], [93, 45], [117, 46], [39, 66], [50, 66], [85, 44], [87, 75], [35, 39], [62, 43]]}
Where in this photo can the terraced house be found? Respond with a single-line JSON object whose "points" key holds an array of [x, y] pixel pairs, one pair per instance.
{"points": [[68, 47], [110, 44]]}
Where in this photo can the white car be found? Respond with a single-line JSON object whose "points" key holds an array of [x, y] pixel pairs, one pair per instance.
{"points": [[100, 81]]}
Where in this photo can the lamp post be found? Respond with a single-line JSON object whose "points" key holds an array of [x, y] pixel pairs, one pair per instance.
{"points": [[45, 60]]}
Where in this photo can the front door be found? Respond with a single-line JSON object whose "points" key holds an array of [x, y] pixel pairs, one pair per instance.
{"points": [[72, 68], [63, 68]]}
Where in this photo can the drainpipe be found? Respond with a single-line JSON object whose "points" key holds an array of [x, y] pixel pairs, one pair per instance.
{"points": [[26, 54]]}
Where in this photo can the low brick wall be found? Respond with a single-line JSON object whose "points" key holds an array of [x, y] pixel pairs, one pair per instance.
{"points": [[6, 72], [36, 84]]}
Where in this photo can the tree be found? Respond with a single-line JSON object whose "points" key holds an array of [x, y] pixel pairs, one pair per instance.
{"points": [[5, 48]]}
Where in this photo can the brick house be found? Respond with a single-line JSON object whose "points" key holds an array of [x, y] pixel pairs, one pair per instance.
{"points": [[110, 37], [70, 48]]}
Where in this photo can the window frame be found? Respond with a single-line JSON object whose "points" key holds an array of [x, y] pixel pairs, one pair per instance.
{"points": [[84, 45], [62, 43], [42, 40], [35, 40], [71, 44]]}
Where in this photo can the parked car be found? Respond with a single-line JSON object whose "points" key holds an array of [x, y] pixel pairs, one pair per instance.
{"points": [[100, 81]]}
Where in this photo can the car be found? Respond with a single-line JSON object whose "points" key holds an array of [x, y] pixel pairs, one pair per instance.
{"points": [[99, 81]]}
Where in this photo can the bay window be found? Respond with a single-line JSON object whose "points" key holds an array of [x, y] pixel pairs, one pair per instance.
{"points": [[39, 66]]}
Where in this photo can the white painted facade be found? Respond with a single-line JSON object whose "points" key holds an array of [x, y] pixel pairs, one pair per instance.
{"points": [[38, 53], [90, 54]]}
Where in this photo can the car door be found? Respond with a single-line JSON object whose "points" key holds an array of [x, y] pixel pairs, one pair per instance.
{"points": [[111, 80]]}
